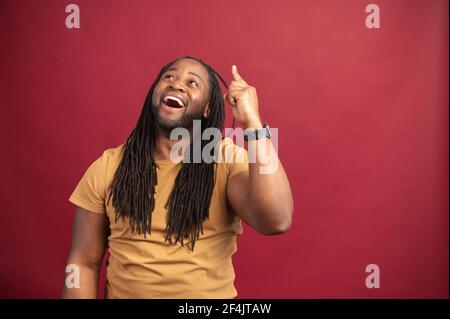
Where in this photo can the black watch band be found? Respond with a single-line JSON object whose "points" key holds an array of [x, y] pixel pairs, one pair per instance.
{"points": [[250, 135]]}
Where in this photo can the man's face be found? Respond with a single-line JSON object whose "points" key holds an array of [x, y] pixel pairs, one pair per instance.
{"points": [[181, 95]]}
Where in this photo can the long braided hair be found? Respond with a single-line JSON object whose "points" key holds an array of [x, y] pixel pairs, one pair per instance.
{"points": [[133, 187]]}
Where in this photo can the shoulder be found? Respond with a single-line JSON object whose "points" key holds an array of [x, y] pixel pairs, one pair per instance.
{"points": [[107, 163], [113, 154], [229, 152], [233, 158]]}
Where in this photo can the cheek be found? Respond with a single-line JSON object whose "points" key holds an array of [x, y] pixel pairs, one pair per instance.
{"points": [[201, 98], [156, 94]]}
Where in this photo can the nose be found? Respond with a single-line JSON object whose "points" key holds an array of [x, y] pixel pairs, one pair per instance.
{"points": [[177, 86]]}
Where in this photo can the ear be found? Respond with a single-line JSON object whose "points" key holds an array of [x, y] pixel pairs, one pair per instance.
{"points": [[206, 111]]}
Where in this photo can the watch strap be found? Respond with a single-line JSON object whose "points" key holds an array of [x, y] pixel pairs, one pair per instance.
{"points": [[250, 135]]}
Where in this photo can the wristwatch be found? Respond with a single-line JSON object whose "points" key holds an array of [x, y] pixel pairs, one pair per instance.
{"points": [[250, 135]]}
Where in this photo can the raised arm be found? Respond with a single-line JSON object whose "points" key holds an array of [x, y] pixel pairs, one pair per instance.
{"points": [[262, 197]]}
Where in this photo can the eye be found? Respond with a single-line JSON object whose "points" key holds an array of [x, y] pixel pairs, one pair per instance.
{"points": [[193, 83], [168, 76]]}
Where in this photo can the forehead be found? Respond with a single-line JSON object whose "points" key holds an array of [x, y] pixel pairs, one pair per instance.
{"points": [[190, 65]]}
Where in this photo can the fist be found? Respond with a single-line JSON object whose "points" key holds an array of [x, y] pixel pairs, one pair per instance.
{"points": [[244, 101]]}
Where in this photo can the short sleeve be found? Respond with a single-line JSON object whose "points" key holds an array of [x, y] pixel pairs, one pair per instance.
{"points": [[90, 192], [236, 157]]}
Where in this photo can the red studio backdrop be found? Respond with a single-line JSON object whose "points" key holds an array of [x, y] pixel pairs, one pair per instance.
{"points": [[362, 116]]}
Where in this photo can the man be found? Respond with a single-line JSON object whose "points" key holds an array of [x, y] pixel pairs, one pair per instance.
{"points": [[171, 226]]}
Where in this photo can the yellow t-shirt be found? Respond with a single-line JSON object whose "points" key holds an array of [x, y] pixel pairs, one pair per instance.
{"points": [[150, 267]]}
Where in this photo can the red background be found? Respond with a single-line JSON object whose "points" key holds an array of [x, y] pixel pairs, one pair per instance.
{"points": [[362, 117]]}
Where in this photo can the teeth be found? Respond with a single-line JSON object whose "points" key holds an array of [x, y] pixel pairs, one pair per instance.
{"points": [[175, 99]]}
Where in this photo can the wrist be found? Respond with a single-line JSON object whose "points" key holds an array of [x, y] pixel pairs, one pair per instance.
{"points": [[251, 134], [253, 125]]}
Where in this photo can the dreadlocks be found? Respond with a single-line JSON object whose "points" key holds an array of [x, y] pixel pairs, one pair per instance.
{"points": [[133, 186]]}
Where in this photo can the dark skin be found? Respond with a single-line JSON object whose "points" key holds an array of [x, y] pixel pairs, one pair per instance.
{"points": [[89, 238], [189, 80], [263, 201]]}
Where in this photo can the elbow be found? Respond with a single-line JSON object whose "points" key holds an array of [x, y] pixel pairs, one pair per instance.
{"points": [[278, 230], [276, 220], [86, 262], [278, 227]]}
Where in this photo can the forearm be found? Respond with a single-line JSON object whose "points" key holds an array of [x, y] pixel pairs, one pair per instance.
{"points": [[88, 282], [270, 193]]}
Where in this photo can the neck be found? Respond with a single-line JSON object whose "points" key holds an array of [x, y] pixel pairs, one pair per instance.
{"points": [[164, 145]]}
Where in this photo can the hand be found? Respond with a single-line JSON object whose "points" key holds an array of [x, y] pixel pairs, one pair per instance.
{"points": [[244, 101]]}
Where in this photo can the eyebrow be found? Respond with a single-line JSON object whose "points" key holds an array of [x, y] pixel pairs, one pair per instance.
{"points": [[195, 74]]}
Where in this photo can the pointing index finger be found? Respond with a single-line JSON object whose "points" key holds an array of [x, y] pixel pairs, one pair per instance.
{"points": [[236, 75]]}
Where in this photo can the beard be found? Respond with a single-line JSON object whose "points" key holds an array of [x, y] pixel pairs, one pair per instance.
{"points": [[185, 120]]}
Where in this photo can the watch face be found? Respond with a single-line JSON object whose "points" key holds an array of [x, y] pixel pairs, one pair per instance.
{"points": [[268, 132]]}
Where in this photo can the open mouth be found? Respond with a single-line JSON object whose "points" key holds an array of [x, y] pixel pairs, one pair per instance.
{"points": [[173, 101]]}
